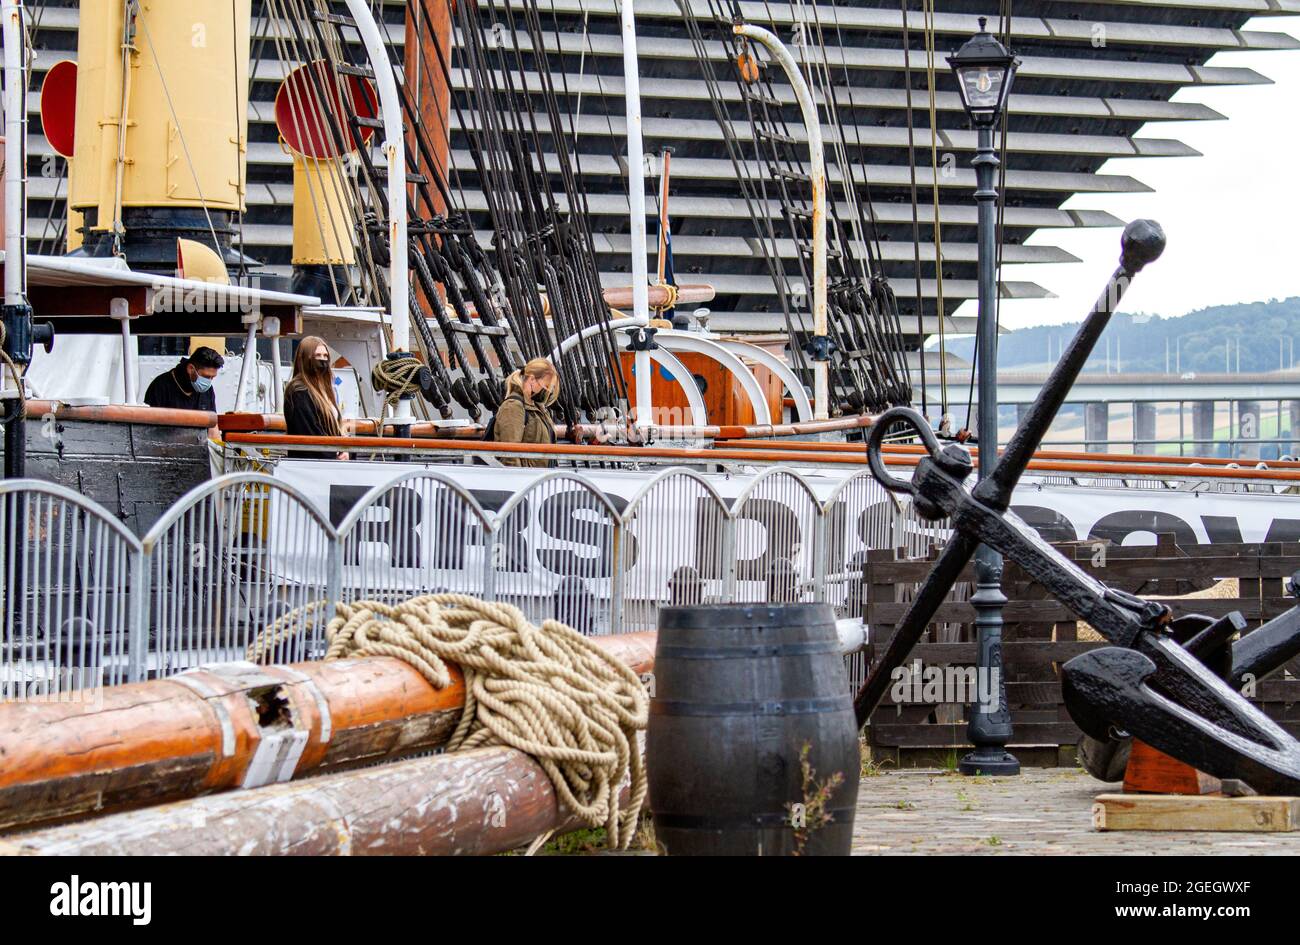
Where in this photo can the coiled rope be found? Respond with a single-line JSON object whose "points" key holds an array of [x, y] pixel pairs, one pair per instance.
{"points": [[547, 691], [395, 378], [671, 301]]}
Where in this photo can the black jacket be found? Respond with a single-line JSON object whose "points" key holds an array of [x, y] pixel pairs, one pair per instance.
{"points": [[173, 390], [301, 418]]}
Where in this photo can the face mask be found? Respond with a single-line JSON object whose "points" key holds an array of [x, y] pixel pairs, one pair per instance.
{"points": [[202, 384]]}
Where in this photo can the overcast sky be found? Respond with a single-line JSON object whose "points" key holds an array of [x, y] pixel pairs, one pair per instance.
{"points": [[1232, 215]]}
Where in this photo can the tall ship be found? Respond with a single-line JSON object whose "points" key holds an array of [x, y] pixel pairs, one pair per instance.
{"points": [[713, 253]]}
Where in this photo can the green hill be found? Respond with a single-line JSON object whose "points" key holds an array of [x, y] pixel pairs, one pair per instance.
{"points": [[1208, 338]]}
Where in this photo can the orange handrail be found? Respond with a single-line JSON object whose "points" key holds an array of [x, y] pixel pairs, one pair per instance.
{"points": [[1048, 454], [121, 413], [791, 455]]}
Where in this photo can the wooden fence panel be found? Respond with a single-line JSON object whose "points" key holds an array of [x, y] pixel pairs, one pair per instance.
{"points": [[1040, 634]]}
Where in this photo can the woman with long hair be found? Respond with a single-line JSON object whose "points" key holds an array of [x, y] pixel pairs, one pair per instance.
{"points": [[524, 416], [310, 407]]}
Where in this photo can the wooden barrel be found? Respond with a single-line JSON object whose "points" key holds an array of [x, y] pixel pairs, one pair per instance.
{"points": [[744, 694]]}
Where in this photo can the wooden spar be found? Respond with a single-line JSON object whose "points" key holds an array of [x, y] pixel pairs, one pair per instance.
{"points": [[474, 802], [621, 296], [790, 454], [228, 726]]}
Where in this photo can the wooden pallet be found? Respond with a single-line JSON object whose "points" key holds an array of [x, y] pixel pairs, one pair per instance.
{"points": [[1213, 812]]}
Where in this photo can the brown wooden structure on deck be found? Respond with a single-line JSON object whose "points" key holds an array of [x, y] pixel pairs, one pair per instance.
{"points": [[1041, 634]]}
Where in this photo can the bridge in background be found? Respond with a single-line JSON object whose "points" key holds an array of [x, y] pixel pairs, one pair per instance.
{"points": [[1250, 416]]}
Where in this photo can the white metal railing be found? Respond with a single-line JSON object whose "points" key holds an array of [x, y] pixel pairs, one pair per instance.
{"points": [[84, 601], [69, 620]]}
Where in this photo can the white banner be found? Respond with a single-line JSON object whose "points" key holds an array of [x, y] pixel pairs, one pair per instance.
{"points": [[562, 536]]}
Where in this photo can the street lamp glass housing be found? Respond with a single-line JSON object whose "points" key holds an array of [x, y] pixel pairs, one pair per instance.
{"points": [[984, 71]]}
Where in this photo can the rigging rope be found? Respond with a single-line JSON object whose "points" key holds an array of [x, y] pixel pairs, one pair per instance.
{"points": [[916, 223], [868, 365], [547, 691], [940, 307]]}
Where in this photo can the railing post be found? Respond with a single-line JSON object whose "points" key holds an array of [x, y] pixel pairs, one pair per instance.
{"points": [[729, 559], [489, 561], [138, 617], [616, 582], [821, 549], [334, 572]]}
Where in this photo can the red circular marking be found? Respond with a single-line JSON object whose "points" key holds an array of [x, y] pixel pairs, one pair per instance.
{"points": [[304, 123], [59, 107]]}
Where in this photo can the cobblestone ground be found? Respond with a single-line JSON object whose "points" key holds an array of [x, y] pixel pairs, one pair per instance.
{"points": [[1043, 811]]}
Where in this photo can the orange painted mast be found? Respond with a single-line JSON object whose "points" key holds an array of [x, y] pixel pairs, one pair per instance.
{"points": [[424, 76], [426, 52], [228, 726]]}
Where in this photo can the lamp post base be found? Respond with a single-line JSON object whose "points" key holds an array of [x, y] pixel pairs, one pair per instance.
{"points": [[989, 728], [990, 761]]}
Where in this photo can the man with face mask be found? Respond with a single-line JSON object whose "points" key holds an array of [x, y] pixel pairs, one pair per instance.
{"points": [[187, 386]]}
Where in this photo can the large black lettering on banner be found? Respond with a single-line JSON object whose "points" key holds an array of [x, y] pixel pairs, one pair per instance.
{"points": [[872, 523], [1226, 529], [709, 523], [512, 539], [1117, 526], [579, 518], [1283, 529], [778, 521], [1049, 523], [393, 521], [837, 536], [453, 530], [342, 499], [1222, 529]]}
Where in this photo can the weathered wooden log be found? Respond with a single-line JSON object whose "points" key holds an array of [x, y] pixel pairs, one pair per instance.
{"points": [[228, 726], [472, 802]]}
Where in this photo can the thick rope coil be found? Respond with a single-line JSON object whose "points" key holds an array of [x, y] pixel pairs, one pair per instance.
{"points": [[395, 378], [547, 691]]}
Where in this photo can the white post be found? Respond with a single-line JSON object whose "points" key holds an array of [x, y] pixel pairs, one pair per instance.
{"points": [[636, 199], [394, 147], [817, 174], [119, 309], [15, 104], [271, 330], [277, 388], [246, 377]]}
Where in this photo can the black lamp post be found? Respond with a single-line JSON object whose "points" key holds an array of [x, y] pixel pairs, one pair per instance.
{"points": [[984, 71]]}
